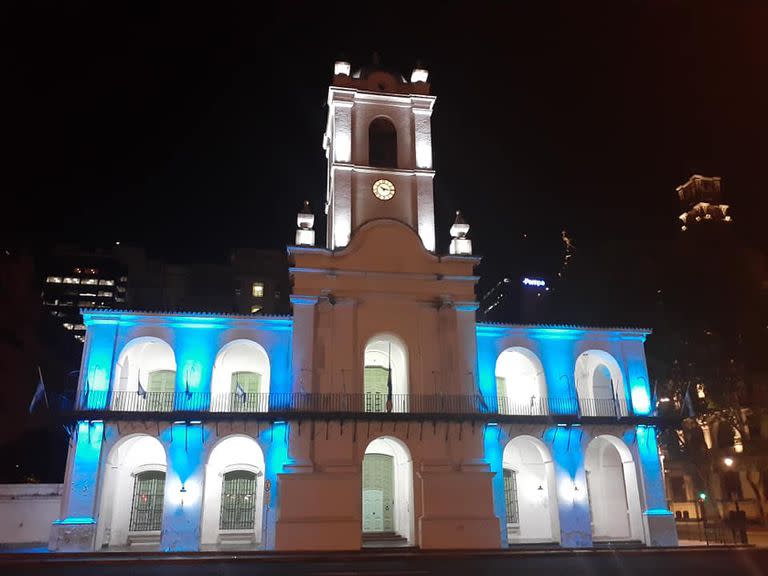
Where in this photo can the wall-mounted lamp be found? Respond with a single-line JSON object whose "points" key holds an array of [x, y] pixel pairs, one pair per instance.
{"points": [[728, 462]]}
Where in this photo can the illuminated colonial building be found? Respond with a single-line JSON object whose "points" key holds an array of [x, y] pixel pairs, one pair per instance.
{"points": [[380, 412]]}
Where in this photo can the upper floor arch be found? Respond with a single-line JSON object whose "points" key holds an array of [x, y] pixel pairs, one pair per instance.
{"points": [[521, 386], [382, 143], [600, 385], [241, 377]]}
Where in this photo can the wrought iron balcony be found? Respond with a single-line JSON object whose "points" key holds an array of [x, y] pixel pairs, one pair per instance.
{"points": [[347, 403]]}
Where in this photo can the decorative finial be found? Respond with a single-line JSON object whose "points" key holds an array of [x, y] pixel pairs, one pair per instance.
{"points": [[305, 236], [460, 244]]}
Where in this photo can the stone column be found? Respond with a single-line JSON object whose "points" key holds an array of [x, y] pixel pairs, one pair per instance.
{"points": [[658, 520], [565, 444], [76, 529], [185, 446]]}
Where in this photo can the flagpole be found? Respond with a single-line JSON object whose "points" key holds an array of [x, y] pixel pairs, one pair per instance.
{"points": [[45, 394]]}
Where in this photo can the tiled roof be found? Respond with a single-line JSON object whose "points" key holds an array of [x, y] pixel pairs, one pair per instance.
{"points": [[181, 313], [568, 327]]}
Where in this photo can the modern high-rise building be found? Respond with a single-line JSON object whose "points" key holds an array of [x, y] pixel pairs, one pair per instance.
{"points": [[379, 412], [251, 282]]}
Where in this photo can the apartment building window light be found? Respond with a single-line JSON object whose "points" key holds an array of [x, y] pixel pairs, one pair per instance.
{"points": [[89, 281], [257, 289], [68, 326], [53, 280], [104, 282], [71, 280], [105, 293], [80, 327]]}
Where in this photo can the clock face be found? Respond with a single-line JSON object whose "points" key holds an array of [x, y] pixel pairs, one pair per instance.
{"points": [[383, 189]]}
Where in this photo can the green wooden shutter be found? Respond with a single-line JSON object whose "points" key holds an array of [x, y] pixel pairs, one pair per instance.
{"points": [[250, 382], [375, 386], [160, 390], [501, 394]]}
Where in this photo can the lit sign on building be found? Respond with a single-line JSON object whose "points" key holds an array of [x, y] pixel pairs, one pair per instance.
{"points": [[534, 282]]}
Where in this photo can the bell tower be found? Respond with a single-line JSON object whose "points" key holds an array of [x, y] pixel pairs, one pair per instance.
{"points": [[378, 141]]}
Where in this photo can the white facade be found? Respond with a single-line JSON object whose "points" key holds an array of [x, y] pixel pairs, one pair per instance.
{"points": [[380, 410]]}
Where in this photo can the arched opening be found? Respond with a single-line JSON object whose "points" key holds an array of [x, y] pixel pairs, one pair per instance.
{"points": [[240, 380], [234, 494], [382, 143], [530, 498], [385, 374], [520, 384], [387, 493], [612, 486], [132, 492], [145, 376], [600, 385]]}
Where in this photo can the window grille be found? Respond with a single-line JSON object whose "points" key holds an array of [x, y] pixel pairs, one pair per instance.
{"points": [[238, 501], [147, 508], [510, 496]]}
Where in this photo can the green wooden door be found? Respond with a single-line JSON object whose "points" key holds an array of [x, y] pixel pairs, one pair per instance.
{"points": [[375, 387], [245, 387], [160, 390], [378, 493]]}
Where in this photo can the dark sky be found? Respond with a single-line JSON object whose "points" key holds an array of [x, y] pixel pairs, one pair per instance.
{"points": [[194, 129]]}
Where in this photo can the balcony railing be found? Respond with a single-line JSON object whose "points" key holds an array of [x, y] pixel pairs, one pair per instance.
{"points": [[344, 403]]}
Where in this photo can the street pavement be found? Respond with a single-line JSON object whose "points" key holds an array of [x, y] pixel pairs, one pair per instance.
{"points": [[698, 561]]}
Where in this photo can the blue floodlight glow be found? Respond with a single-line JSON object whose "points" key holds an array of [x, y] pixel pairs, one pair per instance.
{"points": [[537, 282], [493, 453]]}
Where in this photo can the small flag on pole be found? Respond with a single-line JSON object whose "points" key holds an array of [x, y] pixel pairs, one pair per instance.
{"points": [[140, 389], [240, 392], [39, 392]]}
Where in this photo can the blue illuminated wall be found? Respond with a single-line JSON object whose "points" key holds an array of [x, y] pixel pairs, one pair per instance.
{"points": [[196, 341], [558, 348], [83, 479]]}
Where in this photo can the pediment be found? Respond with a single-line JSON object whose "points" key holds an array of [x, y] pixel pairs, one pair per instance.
{"points": [[386, 246]]}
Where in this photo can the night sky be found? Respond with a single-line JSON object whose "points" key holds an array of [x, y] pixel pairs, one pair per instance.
{"points": [[195, 129]]}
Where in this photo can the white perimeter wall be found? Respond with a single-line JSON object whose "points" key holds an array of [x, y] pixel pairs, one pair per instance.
{"points": [[27, 511]]}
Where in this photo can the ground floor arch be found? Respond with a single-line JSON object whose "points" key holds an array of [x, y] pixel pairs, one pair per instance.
{"points": [[530, 496], [233, 496], [613, 490], [132, 493], [387, 490]]}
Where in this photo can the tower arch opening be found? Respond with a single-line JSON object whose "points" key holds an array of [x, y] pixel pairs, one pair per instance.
{"points": [[233, 500], [613, 490], [132, 493], [530, 496], [382, 143], [240, 381], [145, 376], [385, 374], [520, 383], [600, 385], [387, 490]]}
